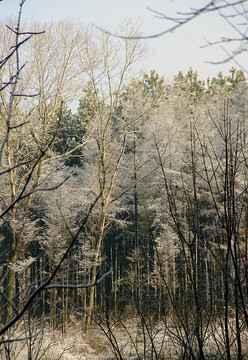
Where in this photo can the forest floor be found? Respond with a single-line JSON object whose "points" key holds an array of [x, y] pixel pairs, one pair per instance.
{"points": [[75, 345], [95, 346]]}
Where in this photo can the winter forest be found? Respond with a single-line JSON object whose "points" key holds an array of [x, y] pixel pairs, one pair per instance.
{"points": [[124, 224]]}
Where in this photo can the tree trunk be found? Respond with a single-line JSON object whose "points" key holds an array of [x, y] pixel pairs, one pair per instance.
{"points": [[94, 269]]}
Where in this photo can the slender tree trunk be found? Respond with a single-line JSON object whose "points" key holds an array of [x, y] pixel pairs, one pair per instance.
{"points": [[11, 278], [226, 299], [237, 322], [116, 277], [95, 267]]}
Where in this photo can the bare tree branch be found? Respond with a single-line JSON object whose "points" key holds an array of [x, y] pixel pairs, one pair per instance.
{"points": [[83, 286], [183, 19]]}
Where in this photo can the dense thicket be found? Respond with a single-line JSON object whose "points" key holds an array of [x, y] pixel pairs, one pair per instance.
{"points": [[167, 163]]}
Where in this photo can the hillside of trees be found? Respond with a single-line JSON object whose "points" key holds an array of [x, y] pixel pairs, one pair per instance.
{"points": [[133, 209]]}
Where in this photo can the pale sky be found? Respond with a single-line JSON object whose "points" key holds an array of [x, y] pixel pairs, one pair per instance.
{"points": [[172, 52]]}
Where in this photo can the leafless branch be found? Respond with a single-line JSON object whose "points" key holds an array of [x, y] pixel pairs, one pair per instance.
{"points": [[16, 166], [83, 286], [26, 32], [5, 341], [26, 95], [182, 19], [10, 302]]}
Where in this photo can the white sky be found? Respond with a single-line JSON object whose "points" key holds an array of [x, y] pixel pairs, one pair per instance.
{"points": [[172, 52]]}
